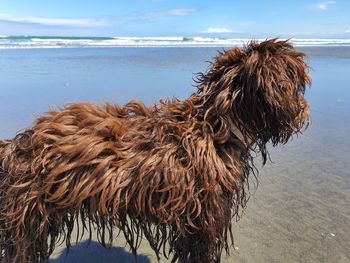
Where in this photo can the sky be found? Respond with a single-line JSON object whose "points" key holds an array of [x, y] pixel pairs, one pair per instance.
{"points": [[208, 18]]}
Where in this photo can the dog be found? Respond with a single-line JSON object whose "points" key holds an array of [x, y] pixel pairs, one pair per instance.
{"points": [[175, 173]]}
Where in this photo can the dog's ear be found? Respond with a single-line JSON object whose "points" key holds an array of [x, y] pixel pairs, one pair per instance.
{"points": [[261, 86]]}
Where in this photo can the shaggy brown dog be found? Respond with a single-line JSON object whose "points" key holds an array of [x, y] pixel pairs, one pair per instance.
{"points": [[175, 173]]}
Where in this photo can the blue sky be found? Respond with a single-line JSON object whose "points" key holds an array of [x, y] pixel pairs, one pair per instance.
{"points": [[211, 18]]}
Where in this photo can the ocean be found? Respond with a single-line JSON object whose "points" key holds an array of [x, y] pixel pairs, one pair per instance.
{"points": [[76, 42], [300, 211]]}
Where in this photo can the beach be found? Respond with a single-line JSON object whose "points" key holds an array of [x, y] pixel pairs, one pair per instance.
{"points": [[300, 210]]}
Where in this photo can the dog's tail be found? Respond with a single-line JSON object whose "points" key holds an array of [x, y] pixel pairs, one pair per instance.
{"points": [[4, 149], [4, 145]]}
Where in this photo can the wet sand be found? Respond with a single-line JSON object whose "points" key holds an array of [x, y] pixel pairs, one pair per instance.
{"points": [[299, 213]]}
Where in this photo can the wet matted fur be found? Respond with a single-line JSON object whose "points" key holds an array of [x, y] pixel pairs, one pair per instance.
{"points": [[175, 173]]}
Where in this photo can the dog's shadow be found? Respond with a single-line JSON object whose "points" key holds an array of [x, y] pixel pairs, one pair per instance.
{"points": [[93, 252]]}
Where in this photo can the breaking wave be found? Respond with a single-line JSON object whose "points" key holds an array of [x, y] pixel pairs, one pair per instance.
{"points": [[8, 42]]}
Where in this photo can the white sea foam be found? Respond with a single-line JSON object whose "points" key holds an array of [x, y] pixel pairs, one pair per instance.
{"points": [[62, 42], [151, 38]]}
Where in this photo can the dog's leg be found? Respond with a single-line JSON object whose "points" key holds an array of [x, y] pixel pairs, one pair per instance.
{"points": [[196, 248], [24, 220], [205, 243], [24, 239]]}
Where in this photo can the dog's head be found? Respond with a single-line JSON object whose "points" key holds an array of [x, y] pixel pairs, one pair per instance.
{"points": [[261, 87]]}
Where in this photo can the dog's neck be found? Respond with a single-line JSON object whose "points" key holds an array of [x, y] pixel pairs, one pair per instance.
{"points": [[219, 120]]}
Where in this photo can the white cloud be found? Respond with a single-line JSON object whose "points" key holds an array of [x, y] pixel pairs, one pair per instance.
{"points": [[347, 31], [163, 13], [94, 22], [324, 5], [155, 1], [216, 30], [247, 23], [181, 11], [74, 22], [155, 15]]}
